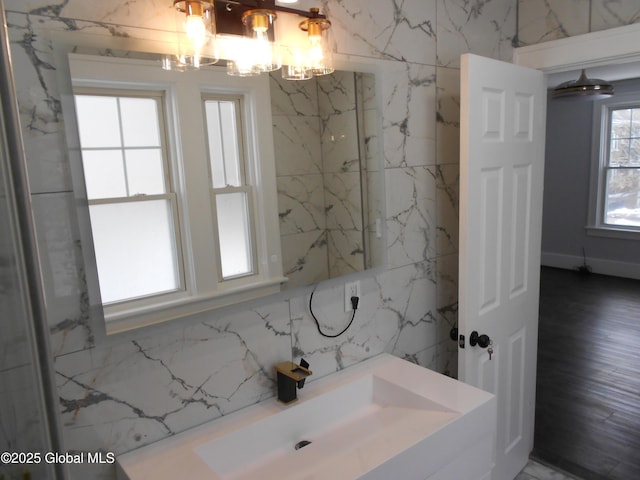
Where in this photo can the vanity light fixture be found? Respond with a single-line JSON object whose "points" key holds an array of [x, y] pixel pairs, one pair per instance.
{"points": [[244, 33], [195, 35]]}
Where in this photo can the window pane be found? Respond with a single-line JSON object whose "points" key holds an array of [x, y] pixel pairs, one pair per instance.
{"points": [[145, 171], [634, 153], [98, 123], [233, 232], [619, 152], [622, 202], [135, 248], [140, 122], [635, 123], [620, 123], [104, 173], [224, 152]]}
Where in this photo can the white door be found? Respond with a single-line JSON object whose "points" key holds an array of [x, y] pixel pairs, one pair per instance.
{"points": [[503, 108]]}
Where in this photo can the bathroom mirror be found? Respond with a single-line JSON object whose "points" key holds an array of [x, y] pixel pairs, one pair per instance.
{"points": [[328, 165]]}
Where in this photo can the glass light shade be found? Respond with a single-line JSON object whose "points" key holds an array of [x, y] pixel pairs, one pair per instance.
{"points": [[195, 35], [319, 55], [299, 67], [242, 62], [259, 27]]}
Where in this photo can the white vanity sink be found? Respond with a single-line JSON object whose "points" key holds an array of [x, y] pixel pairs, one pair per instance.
{"points": [[383, 418]]}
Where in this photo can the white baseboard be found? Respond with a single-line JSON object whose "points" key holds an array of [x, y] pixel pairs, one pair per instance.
{"points": [[598, 265]]}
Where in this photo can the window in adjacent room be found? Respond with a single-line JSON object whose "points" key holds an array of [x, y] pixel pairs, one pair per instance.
{"points": [[615, 192]]}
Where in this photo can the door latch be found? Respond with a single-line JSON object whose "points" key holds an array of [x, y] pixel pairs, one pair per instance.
{"points": [[461, 341]]}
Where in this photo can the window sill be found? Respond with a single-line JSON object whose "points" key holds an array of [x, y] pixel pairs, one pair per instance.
{"points": [[613, 232], [123, 321]]}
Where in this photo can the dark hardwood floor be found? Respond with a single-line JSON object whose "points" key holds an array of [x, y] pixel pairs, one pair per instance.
{"points": [[588, 380]]}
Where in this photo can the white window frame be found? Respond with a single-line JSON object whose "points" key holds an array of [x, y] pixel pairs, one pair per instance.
{"points": [[244, 187], [169, 195], [204, 289], [599, 152]]}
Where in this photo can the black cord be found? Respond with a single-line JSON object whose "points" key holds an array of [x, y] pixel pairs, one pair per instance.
{"points": [[354, 303]]}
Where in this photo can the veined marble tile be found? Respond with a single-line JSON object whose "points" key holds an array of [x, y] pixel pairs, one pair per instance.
{"points": [[448, 174], [345, 251], [409, 122], [614, 13], [448, 115], [383, 29], [343, 201], [373, 152], [336, 93], [375, 246], [63, 272], [544, 20], [39, 99], [297, 145], [304, 258], [448, 284], [411, 214], [301, 203], [293, 98], [172, 382], [447, 357], [366, 88], [484, 28], [447, 313], [447, 202], [340, 142], [410, 293], [39, 102], [155, 14]]}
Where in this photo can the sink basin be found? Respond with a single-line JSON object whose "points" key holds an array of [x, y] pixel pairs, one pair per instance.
{"points": [[370, 418], [383, 418]]}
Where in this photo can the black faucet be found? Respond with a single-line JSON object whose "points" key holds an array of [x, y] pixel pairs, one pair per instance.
{"points": [[290, 377]]}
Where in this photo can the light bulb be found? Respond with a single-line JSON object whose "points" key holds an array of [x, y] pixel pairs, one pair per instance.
{"points": [[315, 51], [195, 35], [259, 49], [196, 30]]}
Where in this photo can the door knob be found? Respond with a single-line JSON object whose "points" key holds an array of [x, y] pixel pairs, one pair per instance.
{"points": [[483, 341]]}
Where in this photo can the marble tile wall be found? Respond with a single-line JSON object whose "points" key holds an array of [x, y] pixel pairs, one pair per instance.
{"points": [[544, 20], [318, 168], [138, 388], [341, 163], [299, 176]]}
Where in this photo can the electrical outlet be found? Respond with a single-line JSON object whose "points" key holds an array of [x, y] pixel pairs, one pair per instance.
{"points": [[351, 289]]}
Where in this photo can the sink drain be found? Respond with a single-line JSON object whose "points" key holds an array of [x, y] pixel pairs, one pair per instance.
{"points": [[302, 443]]}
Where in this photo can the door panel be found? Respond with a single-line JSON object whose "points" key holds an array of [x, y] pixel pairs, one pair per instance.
{"points": [[490, 238], [501, 178]]}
